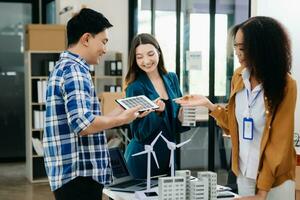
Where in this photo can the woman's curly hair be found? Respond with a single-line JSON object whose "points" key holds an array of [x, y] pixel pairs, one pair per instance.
{"points": [[267, 51]]}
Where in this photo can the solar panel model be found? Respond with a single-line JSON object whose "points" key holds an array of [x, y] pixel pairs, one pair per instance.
{"points": [[142, 100]]}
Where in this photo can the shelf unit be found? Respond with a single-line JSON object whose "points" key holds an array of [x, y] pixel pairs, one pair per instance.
{"points": [[107, 98], [36, 69], [101, 78]]}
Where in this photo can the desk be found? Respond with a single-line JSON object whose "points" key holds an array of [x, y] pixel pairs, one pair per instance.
{"points": [[130, 196], [118, 195]]}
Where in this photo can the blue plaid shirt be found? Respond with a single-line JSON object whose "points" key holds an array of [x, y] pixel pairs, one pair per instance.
{"points": [[71, 106]]}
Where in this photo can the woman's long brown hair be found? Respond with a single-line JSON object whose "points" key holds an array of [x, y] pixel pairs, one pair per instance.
{"points": [[143, 38]]}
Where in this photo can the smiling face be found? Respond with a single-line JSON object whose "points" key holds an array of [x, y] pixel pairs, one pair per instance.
{"points": [[96, 47], [147, 58], [239, 47]]}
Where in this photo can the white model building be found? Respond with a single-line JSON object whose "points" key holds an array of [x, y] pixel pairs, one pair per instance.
{"points": [[172, 188], [193, 114], [187, 175], [199, 189], [212, 183], [189, 116]]}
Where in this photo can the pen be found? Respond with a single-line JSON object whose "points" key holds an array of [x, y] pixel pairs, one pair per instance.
{"points": [[177, 99]]}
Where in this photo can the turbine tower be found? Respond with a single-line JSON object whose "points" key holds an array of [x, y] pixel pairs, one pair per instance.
{"points": [[172, 146], [149, 151]]}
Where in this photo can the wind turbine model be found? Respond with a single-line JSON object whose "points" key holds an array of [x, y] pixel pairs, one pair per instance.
{"points": [[172, 146], [149, 151]]}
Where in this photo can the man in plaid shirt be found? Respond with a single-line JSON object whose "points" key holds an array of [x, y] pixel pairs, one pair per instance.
{"points": [[75, 149]]}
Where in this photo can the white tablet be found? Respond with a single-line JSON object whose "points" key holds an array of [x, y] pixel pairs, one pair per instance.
{"points": [[142, 100]]}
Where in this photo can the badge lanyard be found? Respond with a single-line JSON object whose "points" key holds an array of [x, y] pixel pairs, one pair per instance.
{"points": [[248, 124]]}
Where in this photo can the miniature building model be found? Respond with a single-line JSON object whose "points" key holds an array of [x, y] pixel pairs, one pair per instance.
{"points": [[212, 183], [193, 114], [187, 175], [172, 188], [199, 189]]}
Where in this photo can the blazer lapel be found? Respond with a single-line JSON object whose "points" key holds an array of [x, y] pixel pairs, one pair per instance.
{"points": [[169, 86], [239, 85], [170, 90], [150, 90]]}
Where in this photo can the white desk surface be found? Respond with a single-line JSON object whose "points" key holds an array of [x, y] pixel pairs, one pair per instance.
{"points": [[130, 196], [118, 195]]}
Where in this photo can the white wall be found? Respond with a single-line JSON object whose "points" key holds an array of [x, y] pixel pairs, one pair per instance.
{"points": [[287, 12], [116, 11]]}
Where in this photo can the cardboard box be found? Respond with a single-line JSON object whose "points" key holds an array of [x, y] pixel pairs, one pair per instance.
{"points": [[108, 102], [45, 37], [297, 179]]}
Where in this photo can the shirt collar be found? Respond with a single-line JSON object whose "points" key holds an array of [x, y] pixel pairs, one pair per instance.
{"points": [[246, 76], [77, 58]]}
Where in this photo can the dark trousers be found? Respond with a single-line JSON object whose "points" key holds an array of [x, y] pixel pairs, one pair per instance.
{"points": [[80, 188]]}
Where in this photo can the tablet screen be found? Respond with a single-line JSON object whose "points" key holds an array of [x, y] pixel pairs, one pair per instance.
{"points": [[142, 100]]}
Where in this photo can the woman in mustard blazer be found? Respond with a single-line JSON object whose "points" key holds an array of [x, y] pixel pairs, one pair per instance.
{"points": [[260, 113]]}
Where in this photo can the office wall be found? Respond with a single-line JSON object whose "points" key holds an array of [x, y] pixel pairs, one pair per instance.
{"points": [[117, 13], [287, 12]]}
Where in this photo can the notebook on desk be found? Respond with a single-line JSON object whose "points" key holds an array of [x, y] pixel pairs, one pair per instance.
{"points": [[122, 180]]}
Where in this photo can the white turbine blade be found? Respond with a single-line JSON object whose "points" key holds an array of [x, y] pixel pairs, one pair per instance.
{"points": [[140, 153], [183, 143], [154, 141], [193, 135], [154, 156], [165, 139]]}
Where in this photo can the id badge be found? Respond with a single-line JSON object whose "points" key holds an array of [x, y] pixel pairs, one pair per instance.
{"points": [[248, 128]]}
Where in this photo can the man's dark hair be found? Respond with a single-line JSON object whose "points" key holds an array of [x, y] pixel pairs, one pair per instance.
{"points": [[86, 21]]}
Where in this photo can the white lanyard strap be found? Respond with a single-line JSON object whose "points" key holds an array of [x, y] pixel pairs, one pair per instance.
{"points": [[250, 104]]}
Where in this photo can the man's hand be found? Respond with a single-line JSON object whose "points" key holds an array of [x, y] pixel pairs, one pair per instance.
{"points": [[129, 115], [116, 111], [145, 113]]}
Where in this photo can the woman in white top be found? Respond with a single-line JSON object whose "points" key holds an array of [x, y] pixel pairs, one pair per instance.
{"points": [[260, 112]]}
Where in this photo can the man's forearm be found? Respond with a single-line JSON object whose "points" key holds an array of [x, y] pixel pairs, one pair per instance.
{"points": [[101, 123]]}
